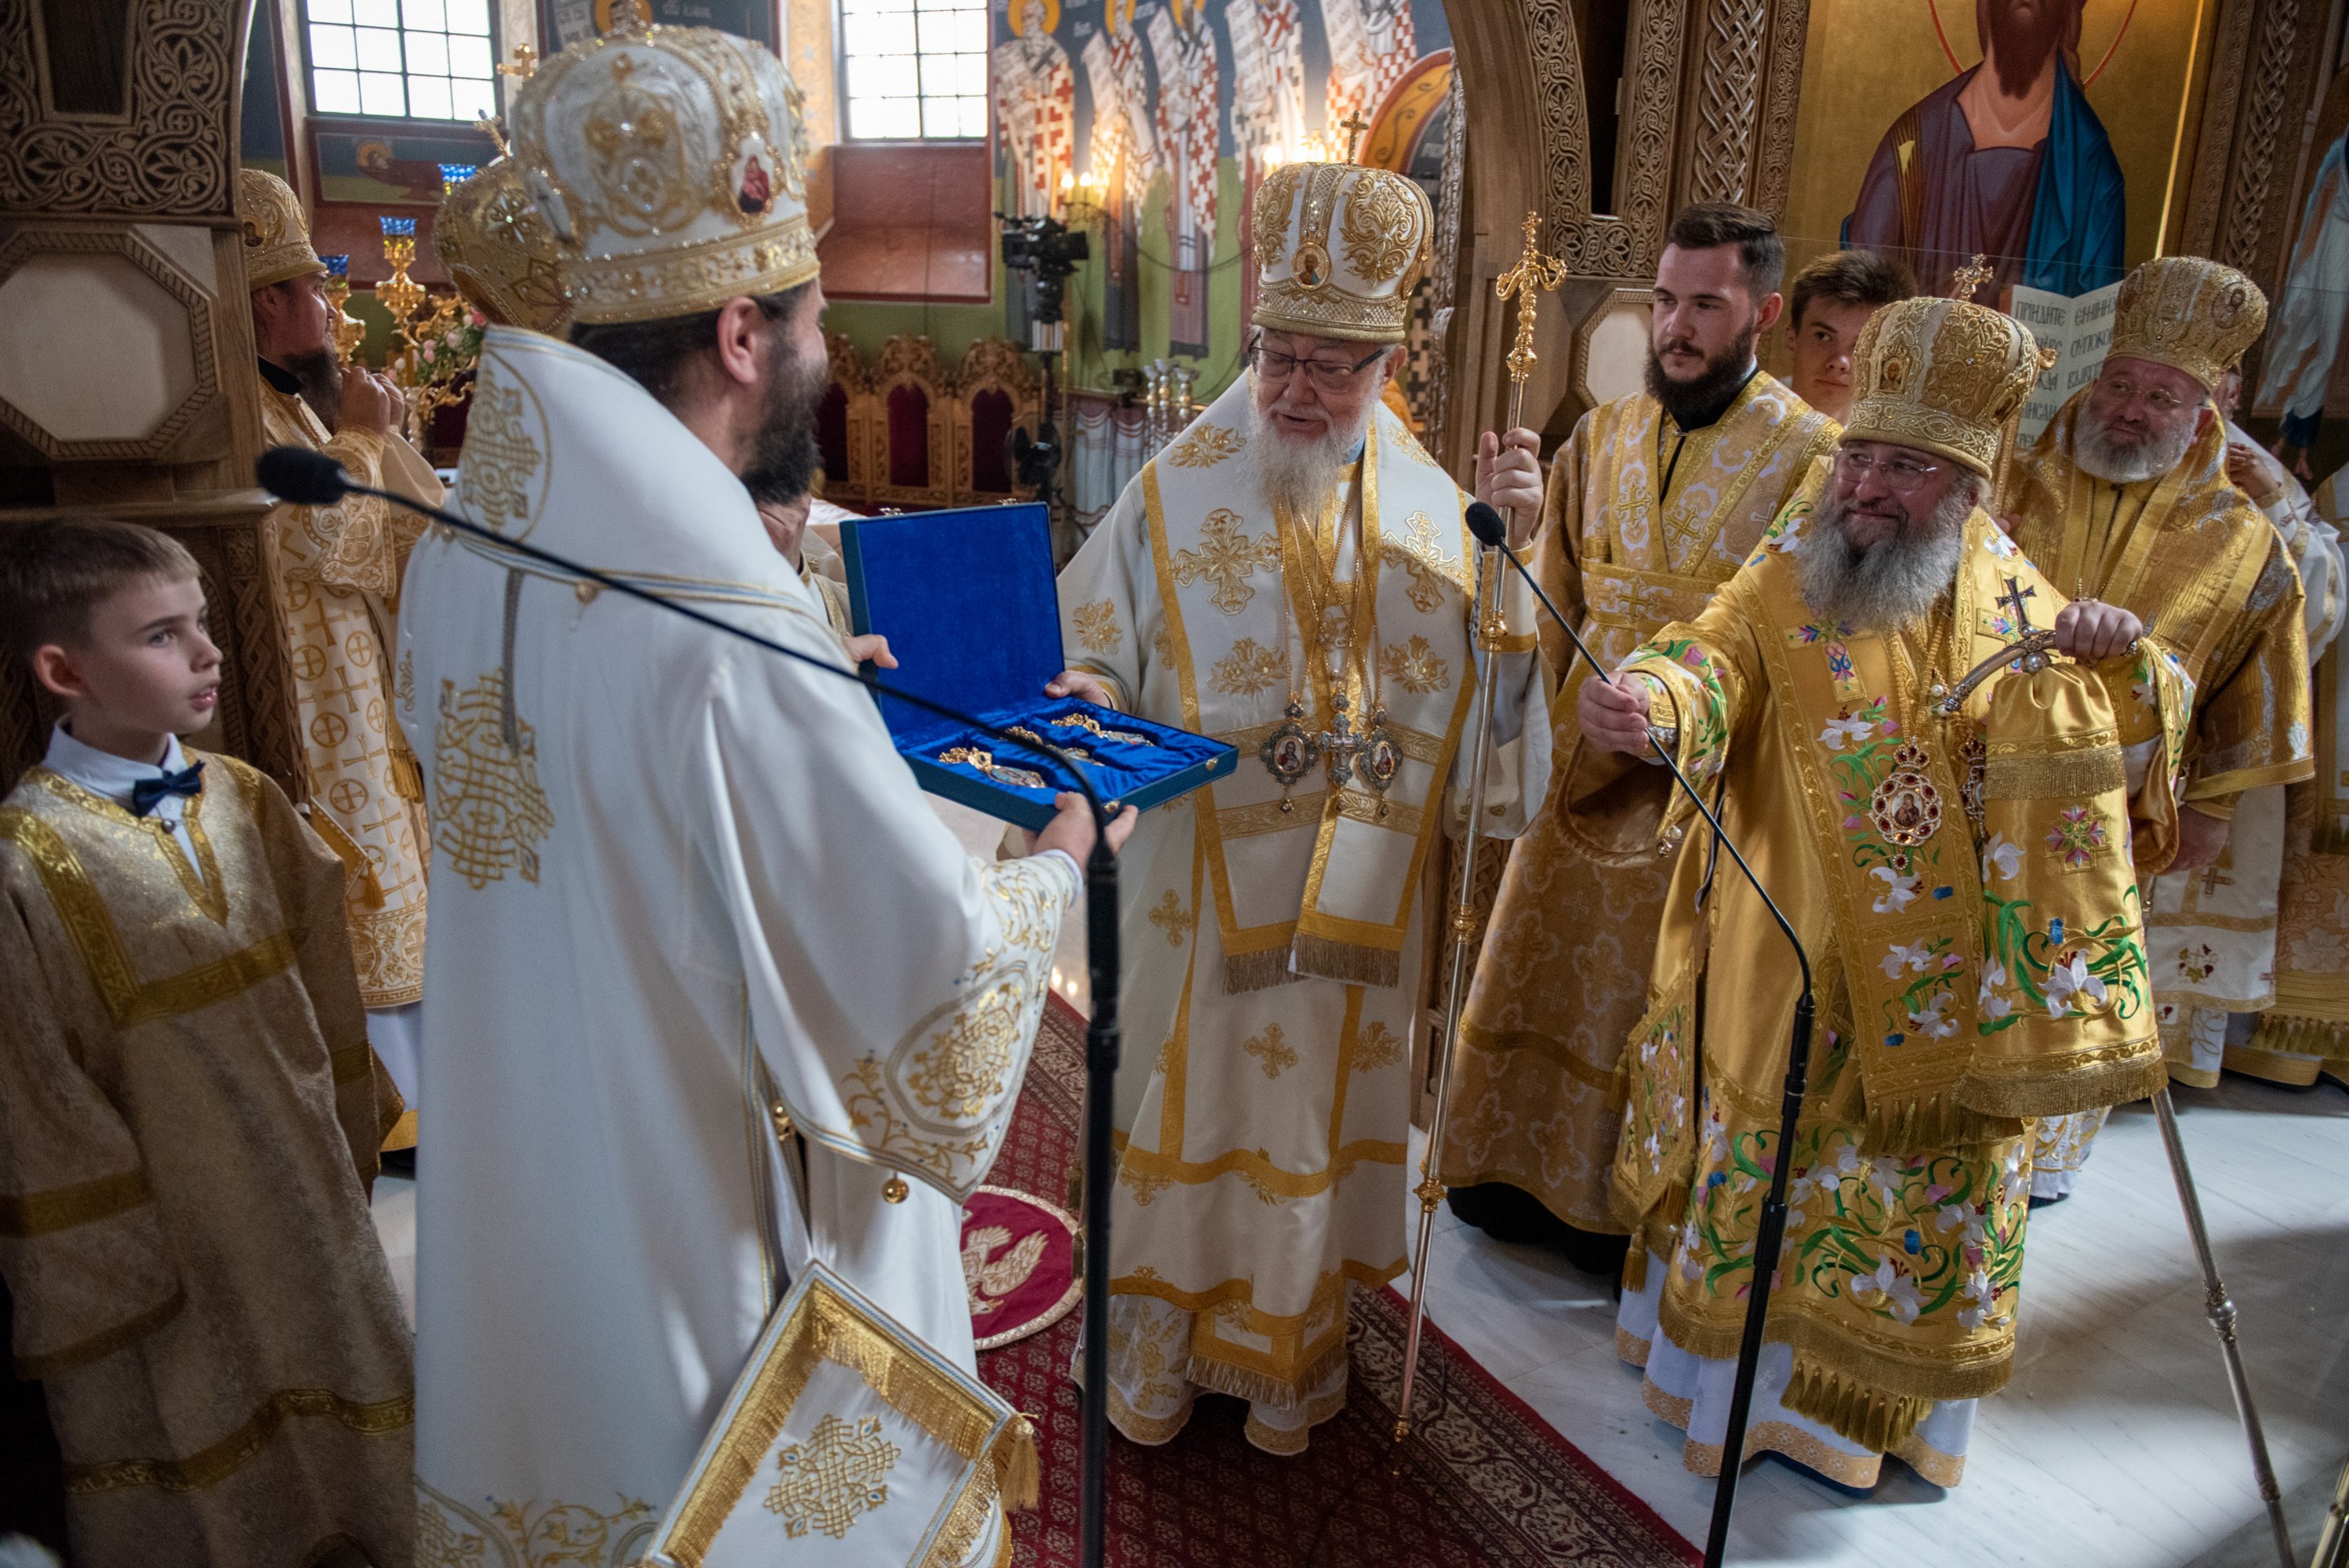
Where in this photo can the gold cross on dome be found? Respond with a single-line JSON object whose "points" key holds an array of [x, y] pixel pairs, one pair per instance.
{"points": [[525, 61], [1354, 125], [1533, 272], [1969, 277]]}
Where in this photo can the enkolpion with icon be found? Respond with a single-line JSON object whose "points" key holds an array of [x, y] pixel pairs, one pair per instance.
{"points": [[1273, 947], [1950, 826], [686, 1065]]}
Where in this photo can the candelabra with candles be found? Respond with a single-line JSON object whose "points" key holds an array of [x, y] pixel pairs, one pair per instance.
{"points": [[348, 333], [1168, 405], [434, 341]]}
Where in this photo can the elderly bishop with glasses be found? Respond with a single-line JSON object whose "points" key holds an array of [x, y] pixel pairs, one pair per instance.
{"points": [[1948, 776], [2129, 501], [1294, 576]]}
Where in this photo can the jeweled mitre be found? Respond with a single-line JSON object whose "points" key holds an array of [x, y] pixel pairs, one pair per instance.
{"points": [[669, 164], [2187, 312], [500, 252], [1337, 250], [1942, 375], [276, 235]]}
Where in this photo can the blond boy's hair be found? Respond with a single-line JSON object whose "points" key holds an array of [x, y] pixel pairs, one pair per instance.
{"points": [[54, 572]]}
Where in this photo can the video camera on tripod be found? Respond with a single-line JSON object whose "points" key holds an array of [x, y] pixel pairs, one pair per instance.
{"points": [[1048, 251]]}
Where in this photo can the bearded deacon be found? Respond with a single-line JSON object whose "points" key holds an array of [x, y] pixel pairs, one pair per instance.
{"points": [[337, 572], [2127, 500], [1294, 576], [1651, 505], [1947, 826]]}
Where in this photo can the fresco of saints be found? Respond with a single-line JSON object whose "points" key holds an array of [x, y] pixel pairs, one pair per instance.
{"points": [[1035, 106], [1183, 47], [1374, 44], [2007, 160], [1121, 158], [1268, 105]]}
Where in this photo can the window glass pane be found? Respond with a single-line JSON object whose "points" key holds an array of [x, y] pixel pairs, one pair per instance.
{"points": [[970, 32], [970, 76], [469, 57], [428, 98], [331, 48], [380, 94], [428, 54], [469, 16], [877, 76], [376, 13], [336, 92], [426, 15], [329, 10], [473, 97], [889, 119], [378, 49], [936, 32], [937, 75], [974, 118]]}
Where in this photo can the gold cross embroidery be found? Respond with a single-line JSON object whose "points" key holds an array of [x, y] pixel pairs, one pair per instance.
{"points": [[1227, 558], [1420, 554]]}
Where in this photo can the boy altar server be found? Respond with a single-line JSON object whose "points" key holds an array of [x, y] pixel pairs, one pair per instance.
{"points": [[188, 1108]]}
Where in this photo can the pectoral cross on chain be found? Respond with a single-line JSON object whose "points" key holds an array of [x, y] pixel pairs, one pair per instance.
{"points": [[1341, 744]]}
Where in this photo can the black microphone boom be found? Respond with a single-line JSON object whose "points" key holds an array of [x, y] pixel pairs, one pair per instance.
{"points": [[307, 478], [1770, 1239]]}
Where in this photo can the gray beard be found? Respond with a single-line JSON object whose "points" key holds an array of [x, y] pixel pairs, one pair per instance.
{"points": [[2120, 462], [1893, 581], [1297, 476]]}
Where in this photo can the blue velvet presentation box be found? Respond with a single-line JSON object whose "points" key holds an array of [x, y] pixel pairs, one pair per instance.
{"points": [[967, 599]]}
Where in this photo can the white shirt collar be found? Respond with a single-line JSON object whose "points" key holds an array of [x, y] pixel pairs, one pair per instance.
{"points": [[104, 773]]}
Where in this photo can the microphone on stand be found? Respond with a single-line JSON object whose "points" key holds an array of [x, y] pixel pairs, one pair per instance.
{"points": [[307, 478], [1770, 1239]]}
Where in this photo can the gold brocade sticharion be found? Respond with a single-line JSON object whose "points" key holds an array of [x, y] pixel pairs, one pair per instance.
{"points": [[189, 1115], [1642, 522], [1963, 885]]}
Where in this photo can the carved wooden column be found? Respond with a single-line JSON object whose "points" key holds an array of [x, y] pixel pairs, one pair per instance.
{"points": [[127, 380], [1744, 84]]}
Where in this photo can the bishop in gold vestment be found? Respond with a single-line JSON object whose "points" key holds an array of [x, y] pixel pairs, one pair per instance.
{"points": [[187, 1127], [1642, 522], [1956, 857], [337, 572], [2111, 510]]}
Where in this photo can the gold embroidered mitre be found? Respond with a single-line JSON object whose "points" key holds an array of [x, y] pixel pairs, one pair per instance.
{"points": [[1943, 375], [1337, 250], [276, 235], [669, 164], [500, 252], [2189, 314]]}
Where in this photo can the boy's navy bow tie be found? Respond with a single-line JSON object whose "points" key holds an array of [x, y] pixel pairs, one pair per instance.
{"points": [[148, 793]]}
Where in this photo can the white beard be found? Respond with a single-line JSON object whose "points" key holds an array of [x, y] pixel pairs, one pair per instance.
{"points": [[1890, 583], [2117, 462], [1298, 476]]}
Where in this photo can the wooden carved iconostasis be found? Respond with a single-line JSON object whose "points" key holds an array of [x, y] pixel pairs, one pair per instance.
{"points": [[126, 342]]}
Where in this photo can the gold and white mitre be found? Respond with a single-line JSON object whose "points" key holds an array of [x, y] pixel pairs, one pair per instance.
{"points": [[669, 163], [2189, 314], [500, 252], [276, 235], [1943, 375], [1339, 249]]}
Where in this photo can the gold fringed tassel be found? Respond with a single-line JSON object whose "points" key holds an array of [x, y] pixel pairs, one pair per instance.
{"points": [[2302, 1036], [1263, 1387], [1868, 1417], [1246, 972], [406, 775], [1635, 1266], [1019, 1473], [1912, 1125], [1349, 963]]}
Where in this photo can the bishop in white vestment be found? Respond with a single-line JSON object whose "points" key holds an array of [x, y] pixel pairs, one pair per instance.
{"points": [[714, 991], [1294, 576]]}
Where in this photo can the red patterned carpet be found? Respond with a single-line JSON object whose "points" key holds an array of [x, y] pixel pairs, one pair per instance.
{"points": [[1484, 1482]]}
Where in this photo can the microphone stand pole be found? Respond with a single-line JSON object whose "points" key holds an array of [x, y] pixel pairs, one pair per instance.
{"points": [[1770, 1238], [1102, 960], [1534, 275]]}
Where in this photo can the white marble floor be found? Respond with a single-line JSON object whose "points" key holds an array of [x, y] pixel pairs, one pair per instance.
{"points": [[2117, 1442]]}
